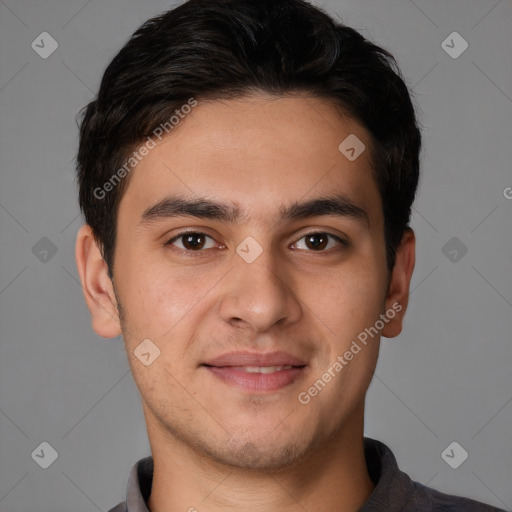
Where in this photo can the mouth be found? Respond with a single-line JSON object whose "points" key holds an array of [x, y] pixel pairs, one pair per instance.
{"points": [[262, 369], [257, 372]]}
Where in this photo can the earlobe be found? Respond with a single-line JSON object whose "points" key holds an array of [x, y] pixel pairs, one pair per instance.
{"points": [[96, 285], [398, 292]]}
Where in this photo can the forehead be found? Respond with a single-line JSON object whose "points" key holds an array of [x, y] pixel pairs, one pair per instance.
{"points": [[260, 152]]}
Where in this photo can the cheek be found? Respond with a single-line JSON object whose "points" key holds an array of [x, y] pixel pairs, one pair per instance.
{"points": [[349, 304], [168, 303], [351, 299], [351, 307], [155, 298]]}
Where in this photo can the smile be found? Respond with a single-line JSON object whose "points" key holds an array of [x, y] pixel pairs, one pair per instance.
{"points": [[262, 369], [260, 379]]}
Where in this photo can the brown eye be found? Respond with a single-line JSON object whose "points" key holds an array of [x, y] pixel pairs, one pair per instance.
{"points": [[318, 241], [193, 241], [190, 241]]}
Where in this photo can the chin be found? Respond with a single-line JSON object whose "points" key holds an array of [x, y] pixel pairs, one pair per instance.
{"points": [[262, 456]]}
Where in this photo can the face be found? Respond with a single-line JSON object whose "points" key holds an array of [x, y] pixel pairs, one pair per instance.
{"points": [[253, 299]]}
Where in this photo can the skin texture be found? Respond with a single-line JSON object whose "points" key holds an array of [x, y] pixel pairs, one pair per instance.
{"points": [[217, 446]]}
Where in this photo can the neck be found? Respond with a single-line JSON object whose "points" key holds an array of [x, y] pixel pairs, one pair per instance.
{"points": [[333, 477]]}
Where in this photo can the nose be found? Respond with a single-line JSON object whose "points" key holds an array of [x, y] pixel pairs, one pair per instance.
{"points": [[259, 295]]}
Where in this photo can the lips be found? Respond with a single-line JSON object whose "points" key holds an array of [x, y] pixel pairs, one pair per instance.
{"points": [[257, 372], [256, 359]]}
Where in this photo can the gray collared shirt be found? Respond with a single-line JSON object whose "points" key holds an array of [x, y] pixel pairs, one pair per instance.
{"points": [[394, 491]]}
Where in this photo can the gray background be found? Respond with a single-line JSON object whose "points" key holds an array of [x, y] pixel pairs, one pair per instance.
{"points": [[446, 378]]}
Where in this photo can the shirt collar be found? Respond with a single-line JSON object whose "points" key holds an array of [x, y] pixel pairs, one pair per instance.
{"points": [[139, 485], [393, 488], [391, 493]]}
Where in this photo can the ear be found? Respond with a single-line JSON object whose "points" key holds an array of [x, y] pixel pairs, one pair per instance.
{"points": [[397, 297], [96, 285]]}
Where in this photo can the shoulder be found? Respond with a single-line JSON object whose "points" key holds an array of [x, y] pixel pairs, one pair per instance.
{"points": [[396, 491], [433, 500]]}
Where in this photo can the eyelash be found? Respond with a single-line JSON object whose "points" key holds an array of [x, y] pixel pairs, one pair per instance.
{"points": [[342, 242]]}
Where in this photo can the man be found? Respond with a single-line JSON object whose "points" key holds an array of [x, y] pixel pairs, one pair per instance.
{"points": [[246, 174]]}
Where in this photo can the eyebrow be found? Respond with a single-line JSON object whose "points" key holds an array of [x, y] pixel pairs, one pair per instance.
{"points": [[338, 205]]}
